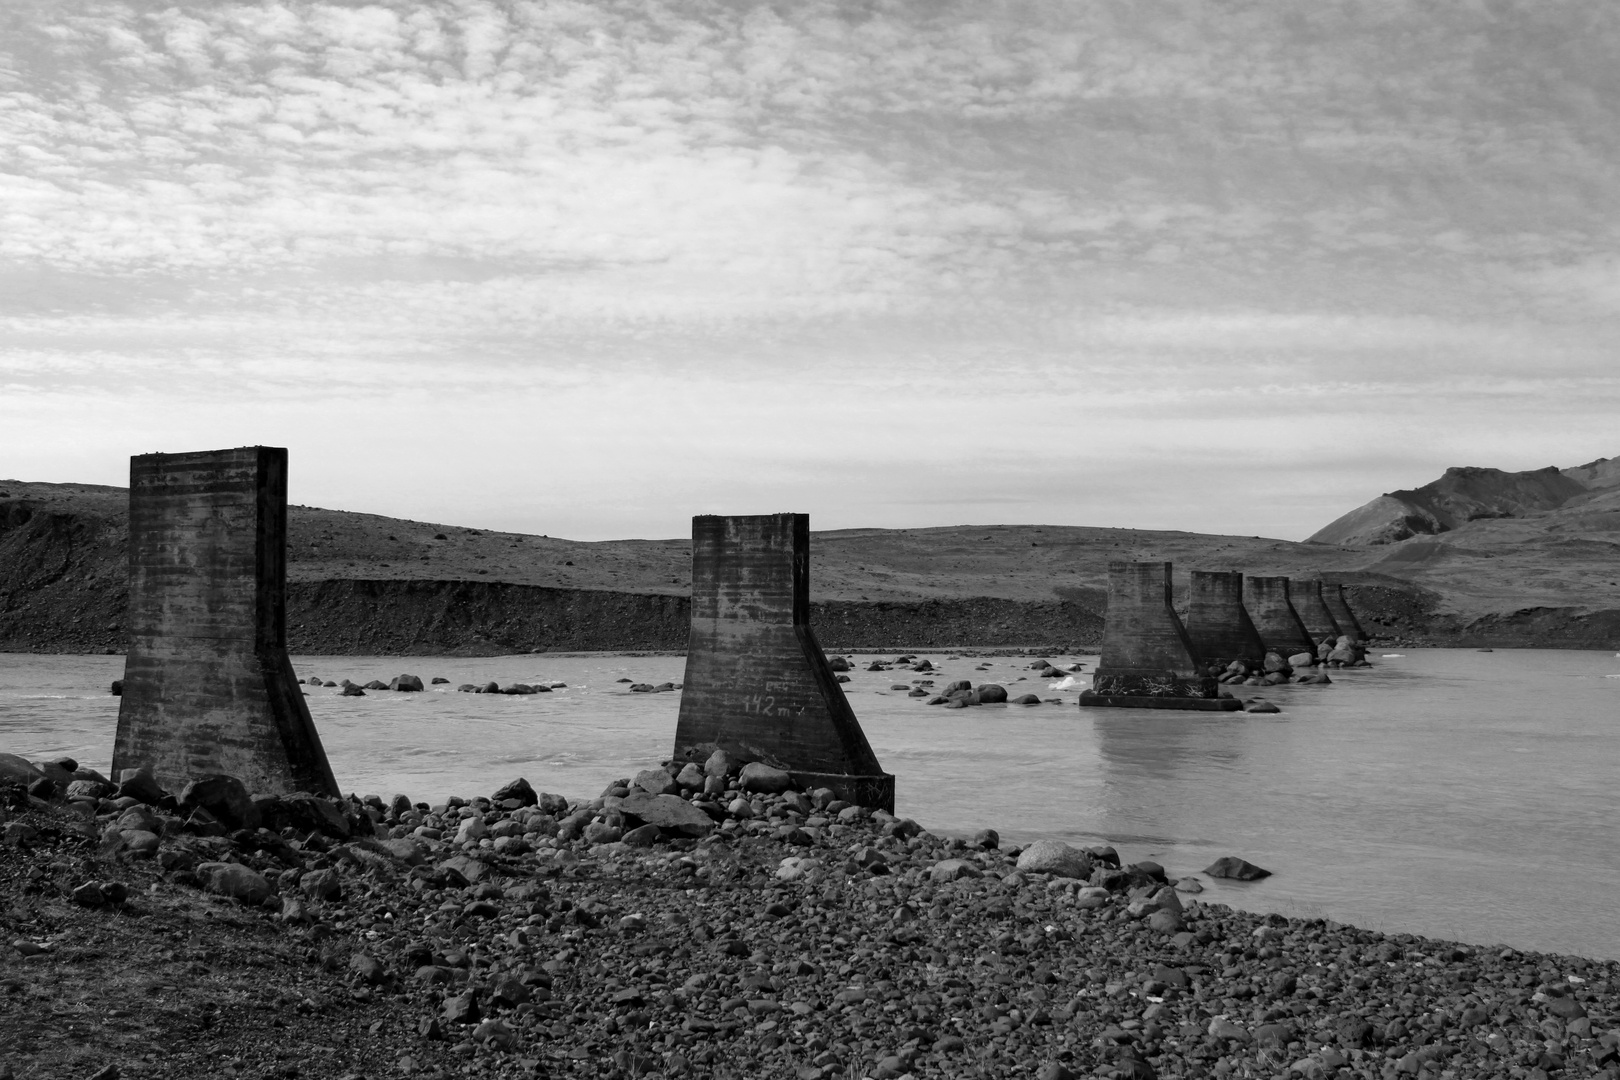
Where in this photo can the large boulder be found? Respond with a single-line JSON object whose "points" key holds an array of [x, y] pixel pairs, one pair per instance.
{"points": [[1236, 869], [406, 682], [992, 693], [223, 796], [760, 777], [1056, 858], [139, 784], [656, 782], [18, 770], [518, 789], [670, 813]]}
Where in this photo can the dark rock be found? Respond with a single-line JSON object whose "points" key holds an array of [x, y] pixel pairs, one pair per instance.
{"points": [[376, 684], [351, 690], [440, 680], [1027, 699], [462, 1009], [668, 812], [406, 683], [992, 694], [1262, 707], [225, 797], [117, 688], [760, 777], [18, 770], [235, 880], [1236, 869], [518, 789]]}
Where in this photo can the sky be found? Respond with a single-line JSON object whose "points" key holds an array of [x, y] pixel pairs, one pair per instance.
{"points": [[588, 269]]}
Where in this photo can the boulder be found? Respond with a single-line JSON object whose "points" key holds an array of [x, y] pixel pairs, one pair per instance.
{"points": [[406, 683], [117, 688], [235, 880], [1261, 707], [1056, 858], [1300, 660], [669, 812], [656, 782], [691, 776], [313, 680], [1027, 699], [488, 688], [376, 684], [518, 688], [1275, 663], [760, 777], [720, 763], [955, 869], [139, 784], [18, 770], [223, 796], [992, 694], [518, 789], [351, 690], [837, 663], [1236, 869], [440, 680]]}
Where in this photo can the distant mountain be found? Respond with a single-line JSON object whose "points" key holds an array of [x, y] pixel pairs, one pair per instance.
{"points": [[1469, 494]]}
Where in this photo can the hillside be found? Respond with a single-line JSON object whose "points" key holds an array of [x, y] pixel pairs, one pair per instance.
{"points": [[1469, 494], [361, 583]]}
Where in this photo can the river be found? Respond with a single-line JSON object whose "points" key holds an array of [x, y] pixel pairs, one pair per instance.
{"points": [[1451, 793]]}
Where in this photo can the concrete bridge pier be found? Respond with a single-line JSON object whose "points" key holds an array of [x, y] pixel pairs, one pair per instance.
{"points": [[1339, 605], [1268, 603], [1148, 661], [1217, 623], [1306, 596], [757, 683], [208, 687]]}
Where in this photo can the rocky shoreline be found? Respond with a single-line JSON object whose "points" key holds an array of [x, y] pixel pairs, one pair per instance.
{"points": [[700, 921]]}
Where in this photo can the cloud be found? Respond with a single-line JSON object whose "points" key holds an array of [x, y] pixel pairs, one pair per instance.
{"points": [[929, 232]]}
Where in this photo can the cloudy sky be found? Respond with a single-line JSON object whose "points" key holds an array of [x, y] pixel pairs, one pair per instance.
{"points": [[589, 268]]}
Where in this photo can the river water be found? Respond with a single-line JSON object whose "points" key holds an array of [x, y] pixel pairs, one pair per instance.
{"points": [[1451, 793]]}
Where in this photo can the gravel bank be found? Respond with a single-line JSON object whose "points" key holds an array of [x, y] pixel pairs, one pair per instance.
{"points": [[727, 934]]}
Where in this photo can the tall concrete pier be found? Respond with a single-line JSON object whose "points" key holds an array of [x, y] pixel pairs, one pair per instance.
{"points": [[757, 682], [1339, 605], [1306, 596], [1148, 661], [1268, 603], [1217, 623], [208, 687]]}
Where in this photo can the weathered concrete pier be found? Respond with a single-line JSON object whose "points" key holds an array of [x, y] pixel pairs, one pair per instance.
{"points": [[1270, 606], [1339, 605], [208, 687], [1217, 623], [1306, 596], [757, 683], [1148, 661]]}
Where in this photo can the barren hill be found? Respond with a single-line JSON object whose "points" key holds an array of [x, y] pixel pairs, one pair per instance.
{"points": [[370, 584]]}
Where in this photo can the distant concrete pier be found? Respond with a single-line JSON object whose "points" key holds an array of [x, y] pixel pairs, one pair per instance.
{"points": [[1306, 596], [208, 687], [1339, 605], [1217, 623], [1148, 661], [757, 683], [1268, 602]]}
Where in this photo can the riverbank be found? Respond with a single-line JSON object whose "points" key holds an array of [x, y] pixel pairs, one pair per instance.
{"points": [[538, 936]]}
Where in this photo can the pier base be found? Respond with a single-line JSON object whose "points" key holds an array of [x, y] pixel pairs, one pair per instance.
{"points": [[208, 687], [757, 683], [1147, 658]]}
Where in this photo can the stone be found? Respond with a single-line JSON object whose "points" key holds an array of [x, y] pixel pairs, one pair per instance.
{"points": [[518, 789], [19, 770], [720, 764], [986, 839], [140, 784], [1026, 699], [225, 797], [1235, 869], [406, 683], [691, 776], [141, 842], [656, 782], [368, 969], [760, 777], [351, 690], [461, 1009], [235, 880], [323, 885], [405, 850], [992, 694], [600, 832], [642, 836], [954, 870], [1056, 858], [376, 684], [1261, 707], [1301, 660], [668, 812]]}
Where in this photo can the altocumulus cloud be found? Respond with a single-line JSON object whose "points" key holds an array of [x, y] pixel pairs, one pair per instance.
{"points": [[1129, 219]]}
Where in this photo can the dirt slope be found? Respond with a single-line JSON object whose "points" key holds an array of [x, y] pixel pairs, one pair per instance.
{"points": [[362, 583]]}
